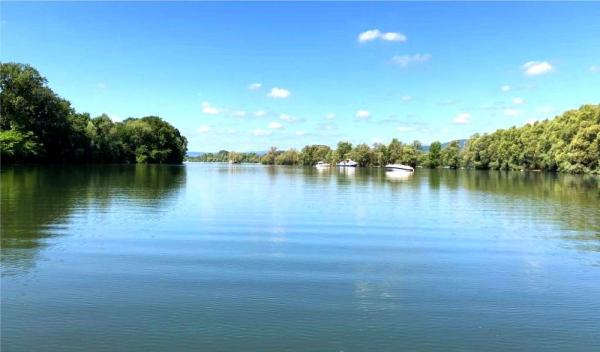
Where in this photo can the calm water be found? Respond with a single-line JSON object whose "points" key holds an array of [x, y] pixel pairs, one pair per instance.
{"points": [[212, 257]]}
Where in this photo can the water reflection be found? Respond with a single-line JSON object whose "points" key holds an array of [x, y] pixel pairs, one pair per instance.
{"points": [[398, 175], [38, 200]]}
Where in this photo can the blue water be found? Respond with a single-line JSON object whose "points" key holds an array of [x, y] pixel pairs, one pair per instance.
{"points": [[216, 257]]}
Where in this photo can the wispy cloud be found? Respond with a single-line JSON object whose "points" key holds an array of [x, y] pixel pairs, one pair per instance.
{"points": [[209, 109], [595, 69], [279, 93], [374, 34], [203, 129], [462, 118], [536, 68], [405, 129], [406, 98], [275, 125], [518, 101], [300, 133], [254, 86], [329, 116], [506, 88], [239, 113], [288, 118], [405, 60], [363, 114]]}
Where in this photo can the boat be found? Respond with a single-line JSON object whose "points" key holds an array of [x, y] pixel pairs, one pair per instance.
{"points": [[399, 168], [322, 165], [347, 163]]}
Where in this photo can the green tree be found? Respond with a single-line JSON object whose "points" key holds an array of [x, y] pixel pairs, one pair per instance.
{"points": [[362, 155], [450, 155], [343, 150], [435, 150], [395, 151]]}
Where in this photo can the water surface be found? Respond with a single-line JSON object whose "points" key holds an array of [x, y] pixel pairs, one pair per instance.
{"points": [[213, 257]]}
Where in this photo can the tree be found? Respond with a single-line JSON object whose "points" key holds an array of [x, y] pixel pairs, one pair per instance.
{"points": [[289, 157], [312, 154], [269, 158], [18, 146], [37, 125], [395, 151], [450, 155], [362, 155], [343, 150], [435, 154], [28, 105]]}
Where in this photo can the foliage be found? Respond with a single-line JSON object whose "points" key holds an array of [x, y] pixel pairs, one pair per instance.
{"points": [[39, 126], [450, 156], [17, 146], [568, 143]]}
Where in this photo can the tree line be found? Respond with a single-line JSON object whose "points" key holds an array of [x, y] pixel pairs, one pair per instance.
{"points": [[36, 125], [567, 143]]}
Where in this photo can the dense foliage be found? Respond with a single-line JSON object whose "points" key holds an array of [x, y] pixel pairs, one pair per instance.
{"points": [[568, 143], [36, 125]]}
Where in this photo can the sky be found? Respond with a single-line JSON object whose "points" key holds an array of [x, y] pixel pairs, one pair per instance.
{"points": [[247, 76]]}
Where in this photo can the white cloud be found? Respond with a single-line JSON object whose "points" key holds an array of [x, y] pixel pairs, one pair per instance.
{"points": [[505, 88], [259, 133], [406, 98], [203, 129], [405, 60], [279, 93], [260, 113], [254, 86], [510, 112], [536, 68], [363, 114], [373, 34], [329, 116], [275, 125], [405, 129], [595, 69], [462, 118], [239, 113], [300, 133], [288, 118], [518, 101], [208, 109], [393, 37], [231, 131], [369, 35]]}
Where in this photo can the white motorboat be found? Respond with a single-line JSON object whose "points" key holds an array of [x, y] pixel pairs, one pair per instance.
{"points": [[347, 163], [399, 168], [322, 165]]}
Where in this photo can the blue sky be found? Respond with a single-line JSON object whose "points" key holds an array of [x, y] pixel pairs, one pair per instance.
{"points": [[245, 76]]}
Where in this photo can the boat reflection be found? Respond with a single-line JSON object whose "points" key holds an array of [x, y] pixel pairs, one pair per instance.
{"points": [[398, 175]]}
